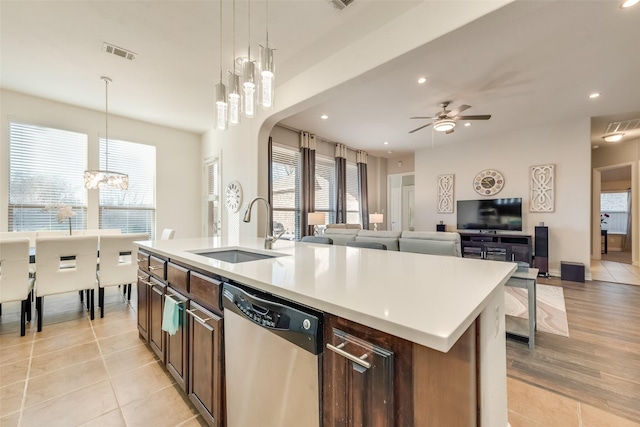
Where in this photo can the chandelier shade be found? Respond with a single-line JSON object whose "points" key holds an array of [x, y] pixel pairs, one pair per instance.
{"points": [[95, 179]]}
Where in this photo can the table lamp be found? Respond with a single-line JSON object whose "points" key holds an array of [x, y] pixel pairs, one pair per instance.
{"points": [[315, 219], [375, 219]]}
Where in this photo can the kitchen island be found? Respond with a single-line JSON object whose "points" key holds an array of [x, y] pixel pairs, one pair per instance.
{"points": [[446, 307]]}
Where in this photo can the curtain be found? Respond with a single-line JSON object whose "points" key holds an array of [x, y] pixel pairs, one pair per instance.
{"points": [[341, 183], [361, 160], [626, 244], [308, 196]]}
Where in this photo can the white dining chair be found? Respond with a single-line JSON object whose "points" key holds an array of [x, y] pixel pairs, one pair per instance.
{"points": [[15, 281], [167, 234], [56, 277], [116, 269]]}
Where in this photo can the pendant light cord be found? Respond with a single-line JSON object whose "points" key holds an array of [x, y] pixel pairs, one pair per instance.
{"points": [[267, 7], [234, 41], [220, 41], [106, 121], [249, 30]]}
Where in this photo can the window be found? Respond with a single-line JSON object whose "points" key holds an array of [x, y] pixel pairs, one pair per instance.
{"points": [[46, 167], [614, 211], [353, 195], [213, 197], [325, 188], [285, 191], [132, 210]]}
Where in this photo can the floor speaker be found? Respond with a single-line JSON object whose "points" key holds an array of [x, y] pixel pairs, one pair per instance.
{"points": [[541, 246]]}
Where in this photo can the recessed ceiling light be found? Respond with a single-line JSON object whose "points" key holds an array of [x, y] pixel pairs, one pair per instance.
{"points": [[467, 124], [389, 152], [628, 3], [594, 95], [614, 137], [595, 147], [386, 143], [324, 117], [421, 80]]}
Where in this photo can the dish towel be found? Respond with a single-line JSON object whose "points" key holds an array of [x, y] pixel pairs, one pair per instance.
{"points": [[170, 316]]}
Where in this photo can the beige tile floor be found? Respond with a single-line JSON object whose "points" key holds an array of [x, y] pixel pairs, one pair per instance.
{"points": [[610, 271], [78, 372]]}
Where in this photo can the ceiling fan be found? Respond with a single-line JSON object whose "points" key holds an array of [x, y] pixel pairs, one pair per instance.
{"points": [[445, 121]]}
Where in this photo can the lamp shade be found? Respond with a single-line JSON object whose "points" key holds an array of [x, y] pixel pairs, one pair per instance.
{"points": [[315, 218], [376, 218]]}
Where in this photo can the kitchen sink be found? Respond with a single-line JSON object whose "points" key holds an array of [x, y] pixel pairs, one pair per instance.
{"points": [[235, 256]]}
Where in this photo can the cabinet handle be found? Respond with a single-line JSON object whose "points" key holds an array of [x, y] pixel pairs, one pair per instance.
{"points": [[349, 356], [198, 318], [146, 282], [174, 300], [155, 267]]}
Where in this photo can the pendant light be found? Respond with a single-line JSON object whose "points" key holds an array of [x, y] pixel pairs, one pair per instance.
{"points": [[105, 178], [248, 75], [234, 99], [267, 70], [221, 91]]}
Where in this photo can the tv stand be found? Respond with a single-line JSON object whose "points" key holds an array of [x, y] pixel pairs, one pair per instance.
{"points": [[497, 247]]}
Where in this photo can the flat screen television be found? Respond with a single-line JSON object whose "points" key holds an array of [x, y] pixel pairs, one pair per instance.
{"points": [[490, 214]]}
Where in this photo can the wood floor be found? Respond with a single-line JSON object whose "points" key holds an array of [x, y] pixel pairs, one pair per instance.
{"points": [[599, 363]]}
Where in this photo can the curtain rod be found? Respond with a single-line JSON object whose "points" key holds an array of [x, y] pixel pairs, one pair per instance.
{"points": [[318, 137]]}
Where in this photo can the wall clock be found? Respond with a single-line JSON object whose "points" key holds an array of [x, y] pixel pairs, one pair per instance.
{"points": [[233, 196], [488, 182]]}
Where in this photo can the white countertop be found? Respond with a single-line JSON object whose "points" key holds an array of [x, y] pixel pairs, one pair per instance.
{"points": [[427, 299]]}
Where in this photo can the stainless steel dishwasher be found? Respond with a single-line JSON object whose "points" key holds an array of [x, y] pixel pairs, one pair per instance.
{"points": [[272, 362]]}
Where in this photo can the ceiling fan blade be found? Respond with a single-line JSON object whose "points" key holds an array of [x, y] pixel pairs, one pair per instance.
{"points": [[417, 129], [421, 117], [480, 117], [458, 110], [449, 131]]}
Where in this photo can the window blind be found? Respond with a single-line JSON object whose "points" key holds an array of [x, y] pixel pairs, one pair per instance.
{"points": [[285, 191], [325, 186], [46, 167], [132, 210], [353, 195]]}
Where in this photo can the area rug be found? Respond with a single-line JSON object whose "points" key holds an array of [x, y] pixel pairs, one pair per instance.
{"points": [[551, 310]]}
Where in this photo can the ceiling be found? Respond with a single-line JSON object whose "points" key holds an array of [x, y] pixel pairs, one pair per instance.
{"points": [[526, 64]]}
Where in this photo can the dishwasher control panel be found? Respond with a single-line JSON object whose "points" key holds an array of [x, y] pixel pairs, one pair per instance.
{"points": [[299, 325], [261, 315]]}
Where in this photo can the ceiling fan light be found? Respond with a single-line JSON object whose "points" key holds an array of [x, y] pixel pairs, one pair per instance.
{"points": [[444, 125], [614, 137]]}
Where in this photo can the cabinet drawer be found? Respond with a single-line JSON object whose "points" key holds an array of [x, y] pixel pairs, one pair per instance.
{"points": [[158, 267], [143, 261], [205, 290], [177, 277]]}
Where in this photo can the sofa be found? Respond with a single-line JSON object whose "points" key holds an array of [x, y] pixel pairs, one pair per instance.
{"points": [[431, 242], [424, 242]]}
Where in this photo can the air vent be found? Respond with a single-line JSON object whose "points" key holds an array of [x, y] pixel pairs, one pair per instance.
{"points": [[624, 126], [118, 51], [341, 4]]}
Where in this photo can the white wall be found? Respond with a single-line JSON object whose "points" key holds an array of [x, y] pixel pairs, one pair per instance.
{"points": [[564, 144], [177, 156]]}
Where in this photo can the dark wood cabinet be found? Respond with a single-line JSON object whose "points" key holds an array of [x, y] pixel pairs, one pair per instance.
{"points": [[356, 395], [206, 363], [177, 344], [143, 287], [404, 384], [497, 247], [156, 306]]}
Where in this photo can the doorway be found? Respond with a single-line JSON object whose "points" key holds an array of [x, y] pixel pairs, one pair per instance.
{"points": [[401, 202], [615, 209]]}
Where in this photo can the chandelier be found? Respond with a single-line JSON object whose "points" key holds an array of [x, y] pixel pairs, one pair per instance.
{"points": [[105, 178], [251, 85]]}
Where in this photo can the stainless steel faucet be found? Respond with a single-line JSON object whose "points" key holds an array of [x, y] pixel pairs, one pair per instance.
{"points": [[269, 238]]}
